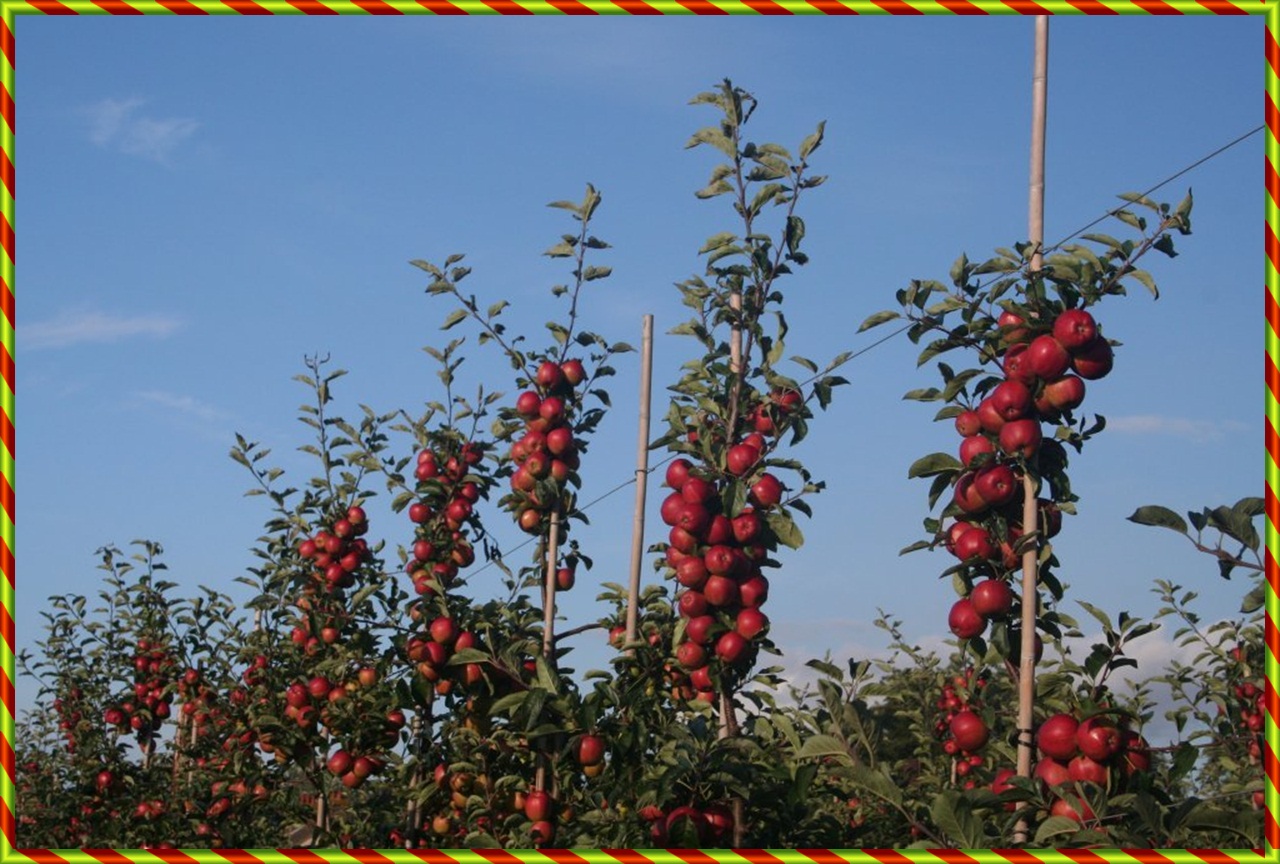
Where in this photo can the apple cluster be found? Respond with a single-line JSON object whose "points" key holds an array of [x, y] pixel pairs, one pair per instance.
{"points": [[546, 455], [336, 552], [710, 823], [1097, 750], [1044, 379], [354, 767], [963, 731], [718, 560], [447, 494], [69, 715], [431, 651], [152, 698]]}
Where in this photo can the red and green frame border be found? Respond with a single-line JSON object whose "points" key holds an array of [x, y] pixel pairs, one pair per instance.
{"points": [[11, 8]]}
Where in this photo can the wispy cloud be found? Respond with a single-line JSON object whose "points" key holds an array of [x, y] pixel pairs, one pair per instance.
{"points": [[185, 405], [88, 326], [1199, 431], [119, 124]]}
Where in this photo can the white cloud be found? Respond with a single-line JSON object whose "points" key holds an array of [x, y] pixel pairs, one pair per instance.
{"points": [[185, 405], [1199, 431], [87, 326], [117, 123]]}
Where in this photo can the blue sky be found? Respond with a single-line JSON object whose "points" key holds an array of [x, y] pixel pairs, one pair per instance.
{"points": [[220, 197]]}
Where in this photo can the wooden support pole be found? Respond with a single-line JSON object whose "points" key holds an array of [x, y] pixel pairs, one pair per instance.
{"points": [[1030, 512], [549, 588], [642, 477]]}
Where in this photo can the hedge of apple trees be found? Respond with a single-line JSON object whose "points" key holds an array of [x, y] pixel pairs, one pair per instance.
{"points": [[365, 697]]}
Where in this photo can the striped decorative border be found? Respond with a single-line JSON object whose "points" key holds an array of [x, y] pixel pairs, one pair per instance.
{"points": [[10, 8]]}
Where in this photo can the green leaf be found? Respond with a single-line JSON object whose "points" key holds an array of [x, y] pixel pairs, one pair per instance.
{"points": [[1236, 525], [934, 463], [954, 815], [784, 528], [822, 746], [453, 319], [1145, 278], [1162, 517], [812, 142], [1254, 600], [1102, 617], [879, 318], [1140, 199], [1055, 826]]}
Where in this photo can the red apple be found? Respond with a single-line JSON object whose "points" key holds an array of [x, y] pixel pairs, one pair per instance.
{"points": [[968, 423], [691, 572], [750, 623], [691, 655], [1137, 754], [996, 485], [969, 732], [1052, 772], [1011, 400], [1012, 327], [1075, 329], [698, 629], [697, 490], [1017, 367], [1087, 770], [573, 371], [967, 497], [549, 375], [590, 750], [1047, 358], [766, 492], [1056, 737], [1021, 437], [754, 591], [560, 440], [692, 604], [340, 763], [974, 543], [992, 598], [1095, 361], [1079, 811], [1064, 394], [973, 447], [719, 530], [747, 526], [672, 509], [677, 473], [527, 404], [990, 418], [740, 459], [964, 621], [444, 630], [1098, 738], [721, 591], [537, 805], [730, 646]]}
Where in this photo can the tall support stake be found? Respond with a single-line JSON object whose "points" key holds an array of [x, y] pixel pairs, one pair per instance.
{"points": [[1030, 557], [642, 474], [549, 588]]}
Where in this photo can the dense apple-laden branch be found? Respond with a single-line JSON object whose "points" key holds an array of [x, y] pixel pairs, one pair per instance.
{"points": [[1037, 343]]}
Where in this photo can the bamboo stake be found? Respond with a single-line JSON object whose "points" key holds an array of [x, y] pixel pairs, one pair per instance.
{"points": [[1030, 557], [728, 718], [642, 474], [549, 588]]}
